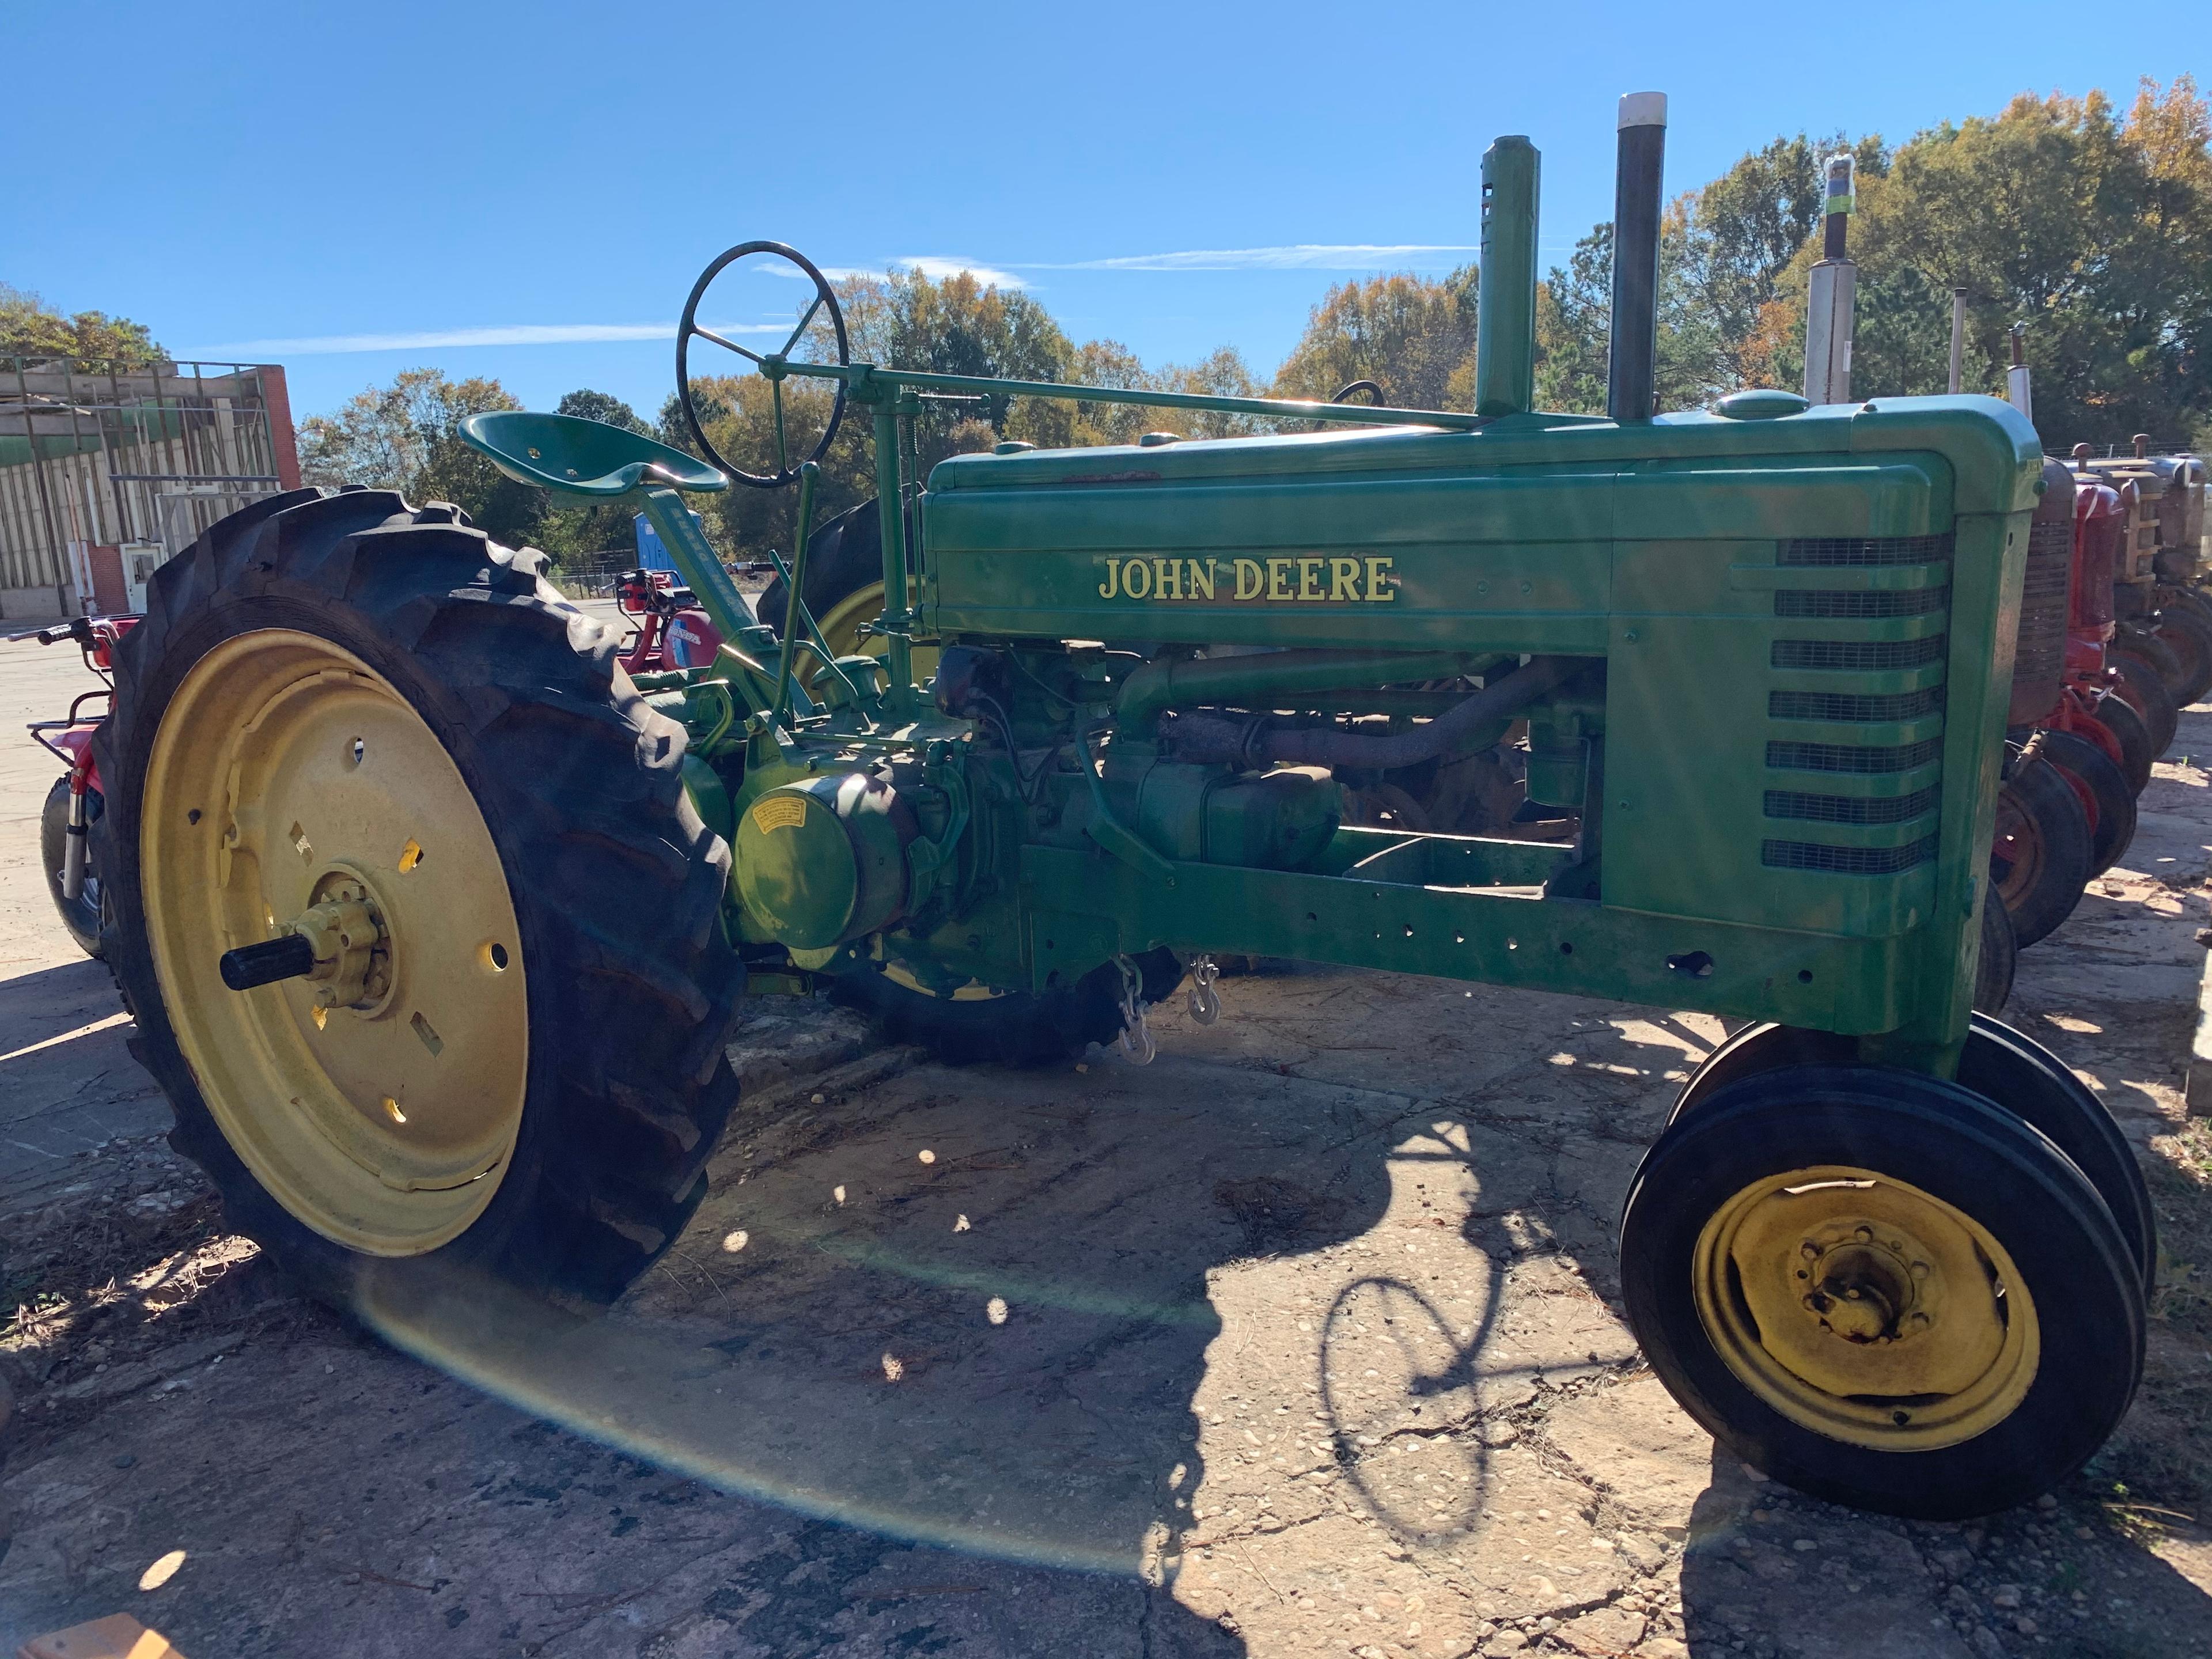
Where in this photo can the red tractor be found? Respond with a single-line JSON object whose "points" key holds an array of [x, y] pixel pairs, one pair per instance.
{"points": [[76, 799], [2163, 642], [671, 631]]}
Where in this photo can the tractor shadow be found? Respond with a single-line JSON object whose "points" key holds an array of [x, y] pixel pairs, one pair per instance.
{"points": [[1048, 1317]]}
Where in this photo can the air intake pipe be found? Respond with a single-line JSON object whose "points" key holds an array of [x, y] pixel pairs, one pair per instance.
{"points": [[1631, 376], [1506, 303]]}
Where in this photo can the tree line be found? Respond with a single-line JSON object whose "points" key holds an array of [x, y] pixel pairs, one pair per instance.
{"points": [[2089, 224]]}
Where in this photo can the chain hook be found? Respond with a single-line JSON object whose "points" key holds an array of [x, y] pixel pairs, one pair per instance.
{"points": [[1136, 1035], [1205, 1002]]}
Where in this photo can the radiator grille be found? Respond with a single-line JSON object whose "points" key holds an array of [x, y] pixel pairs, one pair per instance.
{"points": [[2039, 655], [1845, 757], [1910, 602], [1865, 549], [1844, 706], [1862, 656], [1846, 861], [1845, 808]]}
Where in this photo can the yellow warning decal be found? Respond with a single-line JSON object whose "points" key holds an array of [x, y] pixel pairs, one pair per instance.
{"points": [[779, 813]]}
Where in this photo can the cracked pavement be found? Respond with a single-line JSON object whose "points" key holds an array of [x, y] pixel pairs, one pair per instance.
{"points": [[1303, 1341]]}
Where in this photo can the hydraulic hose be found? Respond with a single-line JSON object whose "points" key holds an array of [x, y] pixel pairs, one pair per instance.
{"points": [[1253, 741]]}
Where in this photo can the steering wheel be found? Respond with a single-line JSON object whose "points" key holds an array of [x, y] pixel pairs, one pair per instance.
{"points": [[1374, 393], [824, 297]]}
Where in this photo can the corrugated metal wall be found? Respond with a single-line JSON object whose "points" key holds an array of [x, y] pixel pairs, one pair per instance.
{"points": [[91, 453]]}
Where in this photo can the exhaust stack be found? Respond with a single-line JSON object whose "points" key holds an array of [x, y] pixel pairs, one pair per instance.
{"points": [[1832, 295], [1505, 304], [1631, 379]]}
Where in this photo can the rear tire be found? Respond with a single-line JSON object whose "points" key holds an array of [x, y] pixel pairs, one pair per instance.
{"points": [[616, 887], [2031, 1316], [81, 916], [844, 593], [1016, 1028], [2041, 858], [2096, 775]]}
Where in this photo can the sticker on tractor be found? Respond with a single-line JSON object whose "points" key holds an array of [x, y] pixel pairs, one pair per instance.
{"points": [[1298, 579], [779, 813]]}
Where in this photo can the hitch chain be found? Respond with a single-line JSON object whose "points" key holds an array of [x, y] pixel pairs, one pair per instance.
{"points": [[1204, 1001], [1136, 1035]]}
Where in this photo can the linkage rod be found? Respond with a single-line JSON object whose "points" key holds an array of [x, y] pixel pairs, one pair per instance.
{"points": [[1277, 408]]}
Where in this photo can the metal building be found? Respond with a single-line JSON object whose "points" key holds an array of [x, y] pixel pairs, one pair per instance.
{"points": [[104, 471]]}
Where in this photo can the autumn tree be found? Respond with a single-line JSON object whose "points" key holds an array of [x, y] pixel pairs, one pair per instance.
{"points": [[29, 327], [1410, 335], [406, 436], [2092, 229]]}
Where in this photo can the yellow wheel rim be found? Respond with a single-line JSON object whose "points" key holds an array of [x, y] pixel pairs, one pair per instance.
{"points": [[1866, 1310], [841, 631], [381, 1107]]}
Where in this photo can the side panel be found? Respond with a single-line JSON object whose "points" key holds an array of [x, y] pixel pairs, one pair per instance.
{"points": [[1775, 708], [1518, 560]]}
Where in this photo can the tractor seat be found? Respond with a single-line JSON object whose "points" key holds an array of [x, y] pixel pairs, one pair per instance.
{"points": [[583, 458]]}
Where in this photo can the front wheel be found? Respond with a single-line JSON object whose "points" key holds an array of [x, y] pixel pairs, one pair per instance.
{"points": [[1883, 1290], [2097, 781], [366, 726], [2042, 855], [2148, 674], [2183, 624], [2132, 737]]}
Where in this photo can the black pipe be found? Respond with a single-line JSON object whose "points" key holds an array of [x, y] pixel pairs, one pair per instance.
{"points": [[1252, 741], [1632, 377]]}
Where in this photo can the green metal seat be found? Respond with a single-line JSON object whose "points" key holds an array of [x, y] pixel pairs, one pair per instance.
{"points": [[583, 458]]}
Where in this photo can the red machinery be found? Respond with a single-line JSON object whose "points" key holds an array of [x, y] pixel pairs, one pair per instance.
{"points": [[75, 799], [672, 631], [2047, 817]]}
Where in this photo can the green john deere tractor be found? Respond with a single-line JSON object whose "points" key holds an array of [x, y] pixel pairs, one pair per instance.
{"points": [[434, 921]]}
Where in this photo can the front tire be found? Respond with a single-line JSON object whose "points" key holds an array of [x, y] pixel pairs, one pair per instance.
{"points": [[1883, 1290], [2041, 857], [2148, 674], [2184, 625], [80, 916], [2119, 717], [340, 694], [2095, 777]]}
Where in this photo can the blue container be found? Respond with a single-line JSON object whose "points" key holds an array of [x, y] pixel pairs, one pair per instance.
{"points": [[650, 555]]}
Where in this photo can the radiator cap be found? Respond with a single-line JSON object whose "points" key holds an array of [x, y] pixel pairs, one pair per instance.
{"points": [[1761, 405]]}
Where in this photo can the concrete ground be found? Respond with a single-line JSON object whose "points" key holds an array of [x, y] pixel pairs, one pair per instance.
{"points": [[1302, 1341]]}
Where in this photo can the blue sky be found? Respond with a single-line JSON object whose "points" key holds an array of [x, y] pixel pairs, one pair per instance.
{"points": [[528, 190]]}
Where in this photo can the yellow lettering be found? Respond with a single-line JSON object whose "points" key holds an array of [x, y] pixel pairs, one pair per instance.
{"points": [[1380, 582], [1343, 580], [1136, 579], [1248, 578], [1201, 582], [1167, 579], [1310, 579], [1279, 579], [1112, 584]]}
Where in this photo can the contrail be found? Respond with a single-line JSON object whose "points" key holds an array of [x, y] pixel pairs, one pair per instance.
{"points": [[513, 334]]}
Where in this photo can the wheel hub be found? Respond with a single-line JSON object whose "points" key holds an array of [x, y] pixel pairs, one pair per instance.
{"points": [[1865, 1308], [353, 951]]}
